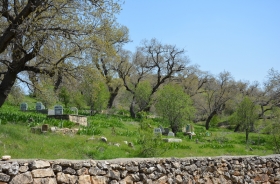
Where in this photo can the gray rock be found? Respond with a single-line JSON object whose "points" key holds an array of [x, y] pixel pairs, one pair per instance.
{"points": [[13, 170], [45, 181], [95, 171], [124, 174], [103, 139], [114, 175], [135, 177], [4, 177], [39, 164], [86, 164], [24, 178], [102, 165], [132, 168], [69, 170], [23, 168], [42, 173], [78, 165], [6, 166], [56, 168], [82, 171], [114, 182]]}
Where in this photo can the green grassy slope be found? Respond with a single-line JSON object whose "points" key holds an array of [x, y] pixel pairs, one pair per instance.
{"points": [[17, 140]]}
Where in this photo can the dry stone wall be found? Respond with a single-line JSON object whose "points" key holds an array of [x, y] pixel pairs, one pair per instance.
{"points": [[222, 170]]}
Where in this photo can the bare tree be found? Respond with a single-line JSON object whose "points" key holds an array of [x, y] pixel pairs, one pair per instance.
{"points": [[154, 60], [217, 91]]}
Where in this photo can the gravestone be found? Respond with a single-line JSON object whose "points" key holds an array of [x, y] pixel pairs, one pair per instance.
{"points": [[171, 134], [188, 128], [58, 110], [23, 106], [75, 110], [50, 111], [39, 106], [166, 131], [45, 128], [157, 131], [162, 129]]}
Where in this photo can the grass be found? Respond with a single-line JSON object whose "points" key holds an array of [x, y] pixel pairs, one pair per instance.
{"points": [[17, 140]]}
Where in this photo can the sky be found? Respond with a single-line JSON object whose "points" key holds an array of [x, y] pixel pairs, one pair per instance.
{"points": [[241, 37]]}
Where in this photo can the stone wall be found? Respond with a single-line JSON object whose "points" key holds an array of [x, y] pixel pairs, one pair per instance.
{"points": [[165, 170], [79, 120]]}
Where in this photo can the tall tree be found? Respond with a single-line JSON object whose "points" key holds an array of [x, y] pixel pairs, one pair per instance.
{"points": [[33, 30], [160, 62], [217, 92]]}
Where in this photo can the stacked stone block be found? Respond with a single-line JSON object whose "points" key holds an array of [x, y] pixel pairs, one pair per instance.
{"points": [[224, 170]]}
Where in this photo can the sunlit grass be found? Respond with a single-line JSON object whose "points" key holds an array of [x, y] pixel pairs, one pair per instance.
{"points": [[17, 140]]}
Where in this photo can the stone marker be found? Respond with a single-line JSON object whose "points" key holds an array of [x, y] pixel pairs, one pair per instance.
{"points": [[39, 106], [157, 131], [75, 110], [6, 157], [45, 128], [53, 129], [172, 140], [162, 129], [23, 106], [188, 128], [171, 134], [166, 131], [50, 111], [58, 110]]}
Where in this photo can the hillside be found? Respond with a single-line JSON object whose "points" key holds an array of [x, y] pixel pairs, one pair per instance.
{"points": [[17, 140]]}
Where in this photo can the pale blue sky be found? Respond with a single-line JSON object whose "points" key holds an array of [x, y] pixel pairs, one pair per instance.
{"points": [[239, 36]]}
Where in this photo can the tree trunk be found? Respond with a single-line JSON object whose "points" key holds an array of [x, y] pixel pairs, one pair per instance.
{"points": [[131, 109], [247, 135], [175, 129], [11, 75], [58, 81], [207, 124], [113, 94], [6, 85], [237, 128]]}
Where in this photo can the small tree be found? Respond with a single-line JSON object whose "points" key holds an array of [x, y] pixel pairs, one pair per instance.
{"points": [[174, 106], [246, 115], [276, 129], [64, 96]]}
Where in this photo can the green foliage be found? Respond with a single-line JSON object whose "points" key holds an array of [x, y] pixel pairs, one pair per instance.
{"points": [[151, 145], [174, 106], [89, 130], [64, 96], [145, 124], [276, 129], [10, 114], [95, 91], [78, 100], [246, 115], [215, 120], [21, 143], [46, 94], [101, 97], [16, 95], [142, 94]]}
